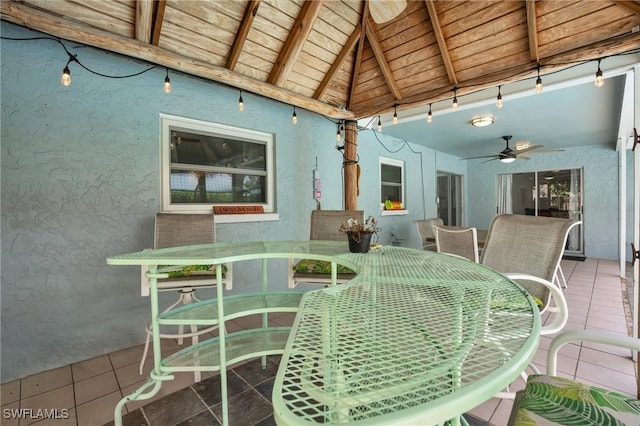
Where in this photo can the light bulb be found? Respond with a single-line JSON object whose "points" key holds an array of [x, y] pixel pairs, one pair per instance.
{"points": [[599, 78], [395, 115], [499, 99], [240, 103], [338, 136], [294, 117], [167, 84], [538, 85], [379, 124], [66, 77], [454, 105], [429, 115]]}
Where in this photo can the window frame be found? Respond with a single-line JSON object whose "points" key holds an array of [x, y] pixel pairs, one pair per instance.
{"points": [[171, 122], [394, 163]]}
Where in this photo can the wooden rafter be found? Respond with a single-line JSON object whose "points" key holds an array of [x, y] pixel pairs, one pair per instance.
{"points": [[631, 5], [158, 18], [442, 44], [382, 61], [68, 29], [346, 50], [295, 41], [532, 30], [356, 65], [241, 36], [144, 20], [551, 64]]}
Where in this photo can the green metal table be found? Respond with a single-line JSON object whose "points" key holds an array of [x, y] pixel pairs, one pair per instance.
{"points": [[416, 338]]}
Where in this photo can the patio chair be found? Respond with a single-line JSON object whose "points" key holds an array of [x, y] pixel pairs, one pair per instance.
{"points": [[528, 249], [324, 226], [549, 399], [174, 230], [427, 232], [459, 242]]}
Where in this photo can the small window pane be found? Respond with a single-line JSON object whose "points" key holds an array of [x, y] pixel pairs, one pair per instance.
{"points": [[189, 187], [391, 173]]}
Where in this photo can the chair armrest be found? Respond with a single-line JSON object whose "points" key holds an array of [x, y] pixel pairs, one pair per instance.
{"points": [[603, 337], [560, 310]]}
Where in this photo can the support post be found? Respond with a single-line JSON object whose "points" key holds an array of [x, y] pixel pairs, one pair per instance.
{"points": [[350, 165]]}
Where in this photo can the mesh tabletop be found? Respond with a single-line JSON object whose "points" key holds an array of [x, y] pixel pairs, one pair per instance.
{"points": [[416, 336]]}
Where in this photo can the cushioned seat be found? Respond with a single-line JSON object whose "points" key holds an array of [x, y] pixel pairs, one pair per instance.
{"points": [[552, 400]]}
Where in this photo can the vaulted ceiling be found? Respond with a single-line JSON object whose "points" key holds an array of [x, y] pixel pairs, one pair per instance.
{"points": [[335, 57]]}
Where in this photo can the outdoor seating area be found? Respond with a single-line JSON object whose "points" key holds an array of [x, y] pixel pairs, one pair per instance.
{"points": [[91, 388]]}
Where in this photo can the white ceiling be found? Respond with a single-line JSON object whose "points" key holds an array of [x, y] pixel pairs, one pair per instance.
{"points": [[569, 112]]}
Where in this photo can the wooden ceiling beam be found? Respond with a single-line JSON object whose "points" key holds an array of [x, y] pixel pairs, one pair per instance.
{"points": [[144, 20], [378, 53], [158, 19], [550, 64], [358, 61], [241, 36], [295, 41], [337, 64], [532, 30], [442, 44], [20, 14], [630, 5]]}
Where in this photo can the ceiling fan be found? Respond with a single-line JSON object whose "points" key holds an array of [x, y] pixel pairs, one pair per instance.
{"points": [[509, 155], [385, 10]]}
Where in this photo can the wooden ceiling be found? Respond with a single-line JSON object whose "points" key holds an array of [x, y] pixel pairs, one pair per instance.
{"points": [[331, 57]]}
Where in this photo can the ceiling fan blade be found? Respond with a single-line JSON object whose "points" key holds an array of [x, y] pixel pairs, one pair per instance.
{"points": [[491, 159], [385, 10], [530, 148], [482, 156], [546, 151]]}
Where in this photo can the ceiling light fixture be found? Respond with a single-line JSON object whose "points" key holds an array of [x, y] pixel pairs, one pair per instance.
{"points": [[395, 115], [429, 115], [499, 98], [538, 82], [599, 77], [454, 105], [483, 121], [379, 124]]}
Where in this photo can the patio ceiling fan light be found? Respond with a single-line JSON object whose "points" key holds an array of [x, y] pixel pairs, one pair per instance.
{"points": [[508, 159]]}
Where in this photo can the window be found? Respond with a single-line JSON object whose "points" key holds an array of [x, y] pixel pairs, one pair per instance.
{"points": [[391, 181], [207, 164]]}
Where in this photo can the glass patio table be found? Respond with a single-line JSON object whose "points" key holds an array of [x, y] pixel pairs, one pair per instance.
{"points": [[416, 338]]}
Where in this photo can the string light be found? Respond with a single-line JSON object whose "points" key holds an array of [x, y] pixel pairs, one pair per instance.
{"points": [[395, 115], [66, 76], [499, 98], [294, 117], [429, 115], [240, 103], [379, 124], [538, 82], [167, 83], [338, 134], [599, 77], [454, 105]]}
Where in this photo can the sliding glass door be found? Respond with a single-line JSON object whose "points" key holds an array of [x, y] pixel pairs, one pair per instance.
{"points": [[556, 193], [450, 198]]}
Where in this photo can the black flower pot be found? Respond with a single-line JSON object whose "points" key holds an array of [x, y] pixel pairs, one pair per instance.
{"points": [[359, 242]]}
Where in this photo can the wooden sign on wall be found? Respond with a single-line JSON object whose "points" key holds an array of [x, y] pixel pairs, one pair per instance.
{"points": [[238, 209]]}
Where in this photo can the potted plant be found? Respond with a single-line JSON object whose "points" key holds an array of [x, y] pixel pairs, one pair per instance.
{"points": [[359, 234]]}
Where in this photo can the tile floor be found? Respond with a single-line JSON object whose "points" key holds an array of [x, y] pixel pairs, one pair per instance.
{"points": [[87, 392]]}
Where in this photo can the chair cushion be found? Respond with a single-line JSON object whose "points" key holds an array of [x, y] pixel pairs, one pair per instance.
{"points": [[191, 270], [551, 400], [308, 266]]}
